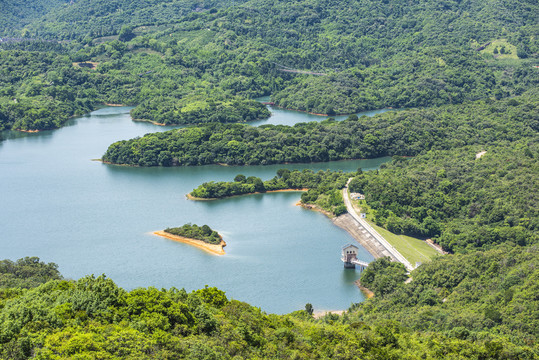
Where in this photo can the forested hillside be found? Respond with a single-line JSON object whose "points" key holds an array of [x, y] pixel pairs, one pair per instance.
{"points": [[404, 133], [186, 62], [15, 14], [479, 305], [461, 200]]}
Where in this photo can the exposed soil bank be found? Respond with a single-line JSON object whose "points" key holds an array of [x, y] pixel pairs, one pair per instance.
{"points": [[114, 105], [153, 122], [366, 291], [211, 248], [29, 131]]}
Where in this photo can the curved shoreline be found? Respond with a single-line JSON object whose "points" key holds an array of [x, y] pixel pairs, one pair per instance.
{"points": [[211, 248], [363, 289], [194, 198], [316, 208], [153, 122]]}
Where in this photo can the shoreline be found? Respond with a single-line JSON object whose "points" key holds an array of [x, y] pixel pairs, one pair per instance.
{"points": [[223, 164], [30, 131], [316, 208], [153, 122], [194, 198], [364, 290], [211, 248], [114, 105]]}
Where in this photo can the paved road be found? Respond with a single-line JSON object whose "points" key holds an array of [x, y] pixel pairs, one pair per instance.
{"points": [[376, 240]]}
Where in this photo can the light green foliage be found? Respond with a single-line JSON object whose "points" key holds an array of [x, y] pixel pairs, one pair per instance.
{"points": [[479, 295], [474, 305]]}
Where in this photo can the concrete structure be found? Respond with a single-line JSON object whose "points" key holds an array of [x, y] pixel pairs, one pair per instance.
{"points": [[374, 237], [349, 258]]}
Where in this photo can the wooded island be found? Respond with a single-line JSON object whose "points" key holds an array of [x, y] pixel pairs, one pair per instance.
{"points": [[202, 237]]}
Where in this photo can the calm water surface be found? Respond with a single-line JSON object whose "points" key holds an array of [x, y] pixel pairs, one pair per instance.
{"points": [[92, 218]]}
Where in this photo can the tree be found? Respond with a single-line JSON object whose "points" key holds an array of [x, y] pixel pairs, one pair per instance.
{"points": [[239, 178], [126, 33]]}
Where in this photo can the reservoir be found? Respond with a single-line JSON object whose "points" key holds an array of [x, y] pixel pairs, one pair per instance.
{"points": [[93, 218]]}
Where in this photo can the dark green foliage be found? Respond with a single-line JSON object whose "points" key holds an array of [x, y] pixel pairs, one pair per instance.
{"points": [[15, 14], [490, 295], [126, 33], [27, 273], [193, 231], [383, 276], [394, 133], [323, 187], [460, 200]]}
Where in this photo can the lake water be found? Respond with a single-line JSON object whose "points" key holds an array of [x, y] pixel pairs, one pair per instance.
{"points": [[92, 218]]}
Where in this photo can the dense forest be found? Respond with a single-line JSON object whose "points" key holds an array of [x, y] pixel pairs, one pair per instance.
{"points": [[183, 61], [193, 231], [478, 305], [404, 133], [458, 198]]}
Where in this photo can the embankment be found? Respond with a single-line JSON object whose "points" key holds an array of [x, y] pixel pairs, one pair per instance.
{"points": [[362, 236]]}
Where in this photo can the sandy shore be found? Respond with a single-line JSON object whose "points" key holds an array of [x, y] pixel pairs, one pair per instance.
{"points": [[28, 131], [117, 105], [211, 248], [191, 197]]}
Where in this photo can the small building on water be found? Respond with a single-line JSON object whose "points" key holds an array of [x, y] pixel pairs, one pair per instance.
{"points": [[349, 257], [349, 253]]}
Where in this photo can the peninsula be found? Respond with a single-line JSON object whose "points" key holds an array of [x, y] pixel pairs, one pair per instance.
{"points": [[202, 237]]}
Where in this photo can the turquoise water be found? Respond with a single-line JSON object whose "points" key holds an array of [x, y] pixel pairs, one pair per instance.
{"points": [[92, 218]]}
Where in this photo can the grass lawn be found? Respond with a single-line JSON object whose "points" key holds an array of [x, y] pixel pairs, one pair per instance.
{"points": [[510, 49], [414, 250]]}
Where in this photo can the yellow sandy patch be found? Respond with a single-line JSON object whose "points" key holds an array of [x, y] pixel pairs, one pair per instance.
{"points": [[211, 248]]}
